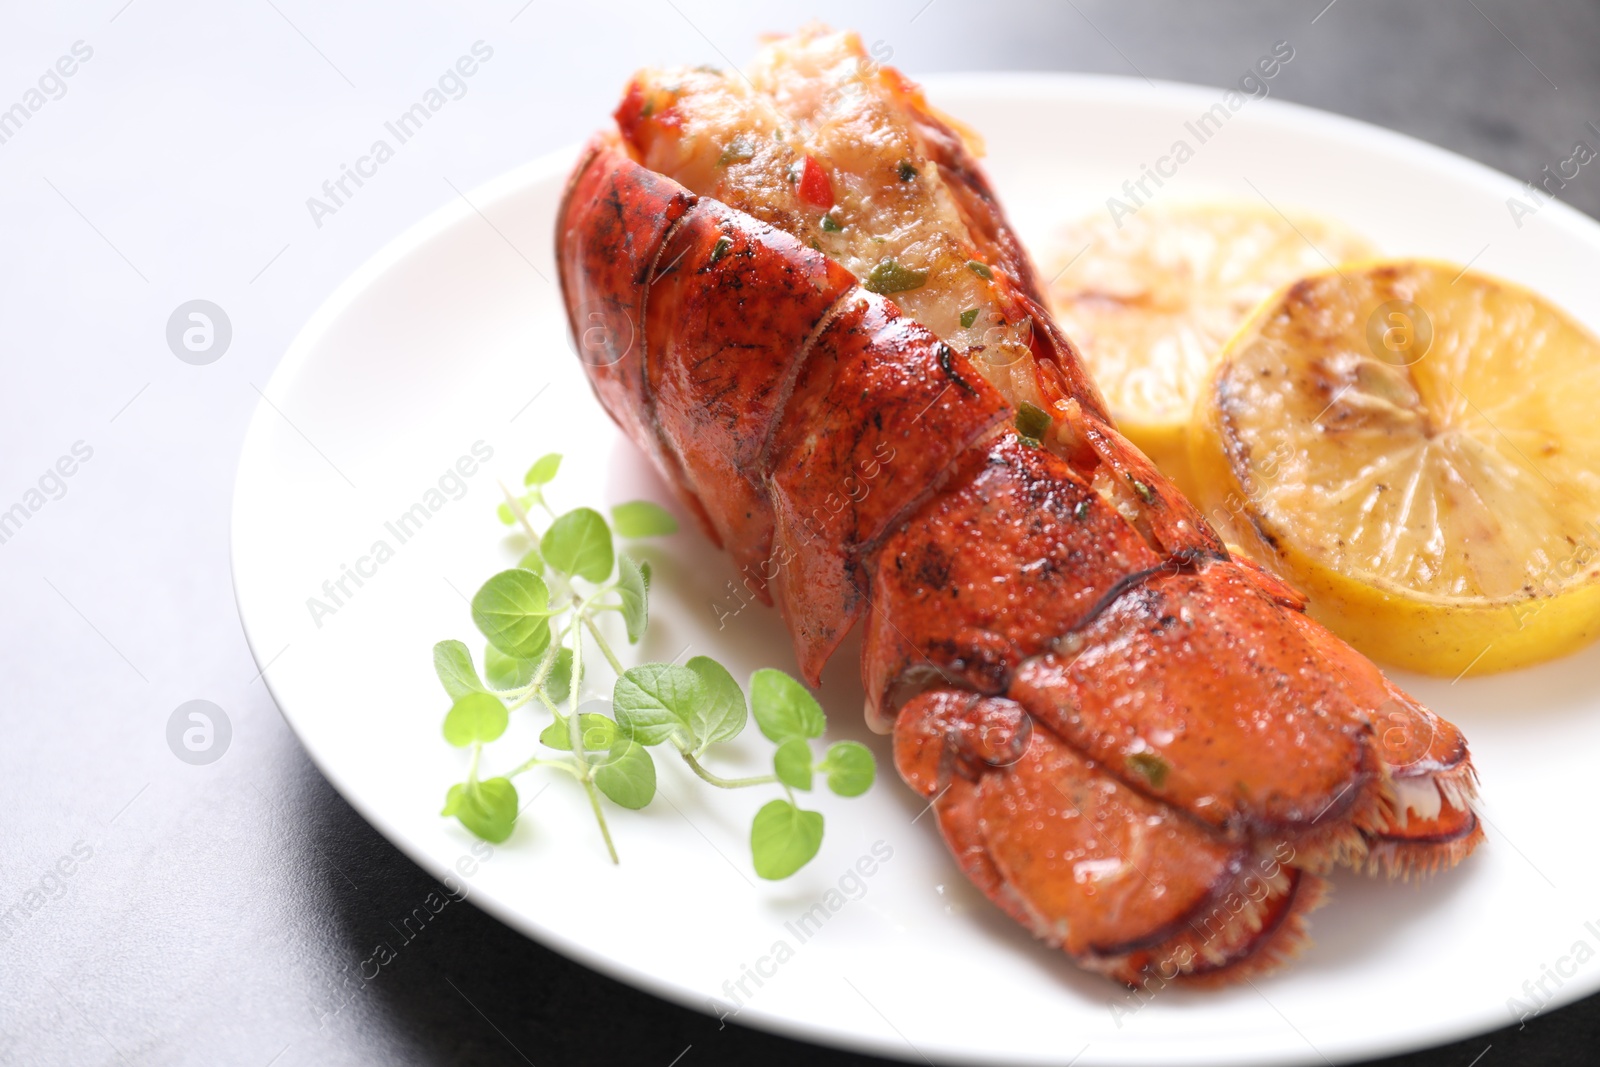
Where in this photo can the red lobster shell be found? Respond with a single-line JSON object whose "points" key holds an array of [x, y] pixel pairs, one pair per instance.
{"points": [[1136, 744]]}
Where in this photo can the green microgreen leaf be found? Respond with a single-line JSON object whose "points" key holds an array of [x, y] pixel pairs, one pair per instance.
{"points": [[509, 517], [543, 471], [694, 706], [628, 776], [507, 672], [488, 809], [1149, 766], [579, 543], [475, 717], [599, 733], [513, 610], [792, 763], [641, 518], [654, 701], [558, 683], [737, 151], [783, 839], [850, 768], [890, 277], [721, 713], [1032, 421], [830, 224], [980, 269], [968, 317], [783, 707], [452, 662], [633, 586]]}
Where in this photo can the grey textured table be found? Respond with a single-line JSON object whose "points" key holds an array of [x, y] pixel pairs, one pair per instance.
{"points": [[157, 912]]}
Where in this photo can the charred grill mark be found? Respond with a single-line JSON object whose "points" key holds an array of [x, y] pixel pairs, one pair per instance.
{"points": [[1132, 584], [991, 665], [933, 569], [1268, 538], [642, 340], [945, 365], [613, 199], [974, 665]]}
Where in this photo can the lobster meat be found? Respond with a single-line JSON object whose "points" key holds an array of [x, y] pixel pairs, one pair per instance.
{"points": [[1136, 743]]}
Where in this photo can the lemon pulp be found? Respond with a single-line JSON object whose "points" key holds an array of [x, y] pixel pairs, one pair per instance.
{"points": [[1417, 447], [1151, 299]]}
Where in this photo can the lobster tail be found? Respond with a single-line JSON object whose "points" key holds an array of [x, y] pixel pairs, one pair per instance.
{"points": [[1138, 746]]}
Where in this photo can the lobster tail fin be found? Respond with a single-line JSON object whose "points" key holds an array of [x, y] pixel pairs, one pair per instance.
{"points": [[1073, 853]]}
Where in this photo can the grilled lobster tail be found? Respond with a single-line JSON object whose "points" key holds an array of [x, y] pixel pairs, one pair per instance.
{"points": [[1137, 745]]}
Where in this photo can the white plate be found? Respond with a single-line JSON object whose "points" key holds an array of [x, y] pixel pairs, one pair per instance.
{"points": [[454, 335]]}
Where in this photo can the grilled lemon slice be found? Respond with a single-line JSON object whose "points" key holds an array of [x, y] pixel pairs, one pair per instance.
{"points": [[1418, 448], [1151, 299]]}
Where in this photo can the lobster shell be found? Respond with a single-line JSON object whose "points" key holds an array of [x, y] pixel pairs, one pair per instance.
{"points": [[1137, 745]]}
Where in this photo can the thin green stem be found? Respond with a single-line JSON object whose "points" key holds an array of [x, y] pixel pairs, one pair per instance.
{"points": [[605, 647], [716, 779], [522, 694], [575, 736], [600, 817], [544, 698], [522, 516], [551, 654], [565, 765], [574, 731], [472, 768]]}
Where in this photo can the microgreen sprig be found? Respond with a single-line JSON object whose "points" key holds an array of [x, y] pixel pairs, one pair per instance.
{"points": [[537, 618]]}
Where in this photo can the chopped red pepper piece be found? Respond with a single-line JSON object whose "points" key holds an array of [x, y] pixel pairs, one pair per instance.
{"points": [[815, 189], [630, 114]]}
